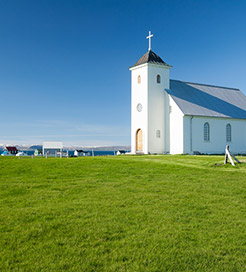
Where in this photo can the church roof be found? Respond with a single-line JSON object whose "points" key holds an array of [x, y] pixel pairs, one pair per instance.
{"points": [[206, 100], [150, 57]]}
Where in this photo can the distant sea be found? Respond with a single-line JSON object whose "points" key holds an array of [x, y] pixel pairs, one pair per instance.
{"points": [[96, 153], [71, 152]]}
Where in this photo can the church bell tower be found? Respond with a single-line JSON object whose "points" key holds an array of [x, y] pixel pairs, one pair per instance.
{"points": [[149, 104]]}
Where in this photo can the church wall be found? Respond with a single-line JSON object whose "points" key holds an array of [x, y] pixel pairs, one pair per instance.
{"points": [[156, 107], [139, 94], [217, 142], [166, 123], [176, 128], [187, 127]]}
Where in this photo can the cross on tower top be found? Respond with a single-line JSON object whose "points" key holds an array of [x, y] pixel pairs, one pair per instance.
{"points": [[149, 37]]}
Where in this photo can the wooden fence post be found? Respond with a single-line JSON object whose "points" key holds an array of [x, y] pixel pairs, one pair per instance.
{"points": [[230, 156]]}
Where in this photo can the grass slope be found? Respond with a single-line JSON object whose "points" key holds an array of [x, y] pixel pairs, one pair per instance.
{"points": [[128, 213]]}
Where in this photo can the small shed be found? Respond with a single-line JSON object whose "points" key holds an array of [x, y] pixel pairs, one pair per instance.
{"points": [[121, 152], [79, 153], [38, 152]]}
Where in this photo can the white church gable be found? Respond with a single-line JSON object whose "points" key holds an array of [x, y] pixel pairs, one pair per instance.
{"points": [[176, 128]]}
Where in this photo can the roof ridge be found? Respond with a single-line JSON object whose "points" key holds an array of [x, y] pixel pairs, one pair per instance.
{"points": [[208, 85]]}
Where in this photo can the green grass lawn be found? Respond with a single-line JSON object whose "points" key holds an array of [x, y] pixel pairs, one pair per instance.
{"points": [[126, 213]]}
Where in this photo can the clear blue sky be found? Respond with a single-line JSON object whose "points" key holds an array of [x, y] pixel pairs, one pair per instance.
{"points": [[64, 64]]}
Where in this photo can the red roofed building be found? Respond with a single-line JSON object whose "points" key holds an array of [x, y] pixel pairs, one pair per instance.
{"points": [[12, 149]]}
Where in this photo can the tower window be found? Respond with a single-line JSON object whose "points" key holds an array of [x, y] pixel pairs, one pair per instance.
{"points": [[158, 79], [158, 134], [139, 79], [228, 133], [206, 132]]}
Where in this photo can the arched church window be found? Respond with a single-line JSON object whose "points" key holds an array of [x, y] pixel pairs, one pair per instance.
{"points": [[139, 79], [158, 134], [206, 132], [158, 79], [228, 133]]}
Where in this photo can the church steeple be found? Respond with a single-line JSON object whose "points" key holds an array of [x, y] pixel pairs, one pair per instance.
{"points": [[151, 57], [150, 104]]}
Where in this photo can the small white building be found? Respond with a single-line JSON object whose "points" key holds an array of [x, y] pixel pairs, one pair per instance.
{"points": [[52, 148], [177, 117]]}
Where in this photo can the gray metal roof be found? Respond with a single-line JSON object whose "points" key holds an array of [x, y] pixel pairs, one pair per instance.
{"points": [[206, 100], [150, 57]]}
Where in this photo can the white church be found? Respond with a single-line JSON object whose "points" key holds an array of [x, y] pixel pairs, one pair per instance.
{"points": [[176, 117]]}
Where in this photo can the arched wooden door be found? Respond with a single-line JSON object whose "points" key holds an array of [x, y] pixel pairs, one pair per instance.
{"points": [[139, 140]]}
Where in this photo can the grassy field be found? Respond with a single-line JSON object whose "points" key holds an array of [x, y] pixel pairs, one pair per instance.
{"points": [[126, 213]]}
